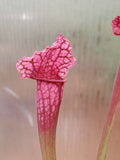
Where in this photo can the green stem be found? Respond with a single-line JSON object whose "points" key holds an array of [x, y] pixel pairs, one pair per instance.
{"points": [[47, 143], [106, 132]]}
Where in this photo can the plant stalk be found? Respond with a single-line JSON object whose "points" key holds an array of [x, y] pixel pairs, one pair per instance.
{"points": [[112, 114], [49, 97]]}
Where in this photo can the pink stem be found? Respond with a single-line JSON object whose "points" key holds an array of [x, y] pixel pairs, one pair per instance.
{"points": [[49, 97], [113, 111]]}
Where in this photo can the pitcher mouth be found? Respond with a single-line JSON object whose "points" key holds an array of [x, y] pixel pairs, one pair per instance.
{"points": [[50, 80]]}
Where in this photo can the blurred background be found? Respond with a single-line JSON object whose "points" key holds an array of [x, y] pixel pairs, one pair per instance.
{"points": [[29, 25]]}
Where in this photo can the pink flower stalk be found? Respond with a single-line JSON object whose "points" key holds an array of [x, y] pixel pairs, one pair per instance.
{"points": [[113, 111], [114, 106], [116, 25], [49, 67]]}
